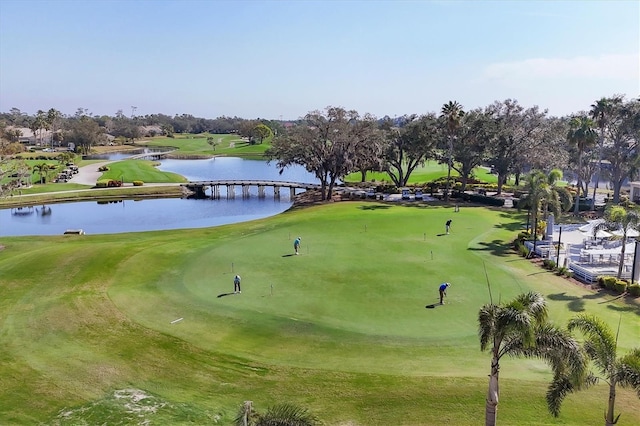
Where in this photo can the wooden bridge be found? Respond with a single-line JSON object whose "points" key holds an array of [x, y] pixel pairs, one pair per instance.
{"points": [[200, 187]]}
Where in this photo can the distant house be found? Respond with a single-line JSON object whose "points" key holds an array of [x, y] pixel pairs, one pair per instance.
{"points": [[28, 138]]}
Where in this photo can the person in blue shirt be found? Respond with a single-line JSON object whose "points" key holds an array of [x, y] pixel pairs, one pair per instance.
{"points": [[236, 284], [443, 291], [296, 244]]}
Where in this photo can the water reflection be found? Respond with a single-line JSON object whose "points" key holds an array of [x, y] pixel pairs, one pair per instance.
{"points": [[136, 215], [151, 215]]}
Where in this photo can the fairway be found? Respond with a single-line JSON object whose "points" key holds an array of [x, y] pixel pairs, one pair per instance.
{"points": [[342, 329]]}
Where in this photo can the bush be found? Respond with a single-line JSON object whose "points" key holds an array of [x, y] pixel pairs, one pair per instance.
{"points": [[633, 290], [562, 271], [483, 199], [600, 281], [102, 183], [138, 183], [103, 169], [610, 282], [620, 286], [549, 264], [568, 273], [523, 251]]}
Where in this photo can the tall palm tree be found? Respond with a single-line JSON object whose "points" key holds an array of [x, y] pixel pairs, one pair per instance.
{"points": [[582, 136], [452, 113], [544, 195], [601, 346], [519, 328], [622, 221]]}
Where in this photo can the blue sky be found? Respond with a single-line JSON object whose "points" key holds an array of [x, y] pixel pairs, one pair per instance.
{"points": [[282, 59]]}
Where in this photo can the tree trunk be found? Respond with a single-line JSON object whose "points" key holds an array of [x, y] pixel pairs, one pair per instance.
{"points": [[576, 208], [609, 420], [598, 170], [491, 407], [622, 250], [449, 154], [501, 180], [363, 175]]}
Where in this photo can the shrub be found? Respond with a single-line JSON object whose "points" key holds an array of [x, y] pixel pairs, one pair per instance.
{"points": [[103, 169], [610, 282], [620, 286], [523, 251], [600, 281], [633, 290], [562, 270], [568, 273], [138, 183], [102, 183], [549, 264]]}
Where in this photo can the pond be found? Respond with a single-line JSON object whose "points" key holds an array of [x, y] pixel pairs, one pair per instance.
{"points": [[159, 214]]}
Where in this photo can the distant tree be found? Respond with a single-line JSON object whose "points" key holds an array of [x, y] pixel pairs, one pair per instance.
{"points": [[621, 149], [408, 146], [84, 132], [41, 169], [518, 133], [368, 155], [602, 111], [324, 146], [601, 346], [582, 136], [53, 122], [470, 148], [261, 132], [212, 141], [452, 114]]}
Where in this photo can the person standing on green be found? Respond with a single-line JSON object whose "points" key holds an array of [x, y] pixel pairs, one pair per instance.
{"points": [[236, 284], [443, 291], [296, 244]]}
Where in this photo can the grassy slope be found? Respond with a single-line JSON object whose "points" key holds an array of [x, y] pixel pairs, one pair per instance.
{"points": [[345, 331], [143, 170], [197, 145]]}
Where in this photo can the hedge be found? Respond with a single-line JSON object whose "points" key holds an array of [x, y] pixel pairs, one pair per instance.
{"points": [[634, 290]]}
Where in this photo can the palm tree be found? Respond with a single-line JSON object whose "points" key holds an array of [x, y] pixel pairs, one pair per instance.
{"points": [[600, 345], [452, 113], [582, 135], [519, 328], [601, 113], [278, 415], [622, 221], [543, 194], [42, 169]]}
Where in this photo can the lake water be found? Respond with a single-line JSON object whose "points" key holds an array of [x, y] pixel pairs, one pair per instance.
{"points": [[159, 214]]}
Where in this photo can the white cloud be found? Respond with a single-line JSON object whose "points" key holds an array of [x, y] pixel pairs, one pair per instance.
{"points": [[618, 67]]}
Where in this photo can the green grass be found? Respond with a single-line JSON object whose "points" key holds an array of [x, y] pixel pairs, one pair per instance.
{"points": [[191, 146], [430, 171], [341, 329], [144, 170]]}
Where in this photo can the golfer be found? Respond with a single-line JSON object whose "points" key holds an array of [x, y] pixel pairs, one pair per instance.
{"points": [[296, 244], [236, 284], [448, 226], [443, 291]]}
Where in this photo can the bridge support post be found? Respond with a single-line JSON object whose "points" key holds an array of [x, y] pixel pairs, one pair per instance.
{"points": [[231, 191], [276, 192], [260, 191], [215, 192], [292, 193], [245, 191]]}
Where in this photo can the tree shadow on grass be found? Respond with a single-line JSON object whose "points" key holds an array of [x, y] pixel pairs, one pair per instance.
{"points": [[496, 247], [576, 304], [374, 207]]}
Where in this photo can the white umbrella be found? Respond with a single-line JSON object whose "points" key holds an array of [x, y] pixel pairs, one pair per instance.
{"points": [[589, 226], [600, 234], [632, 233]]}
